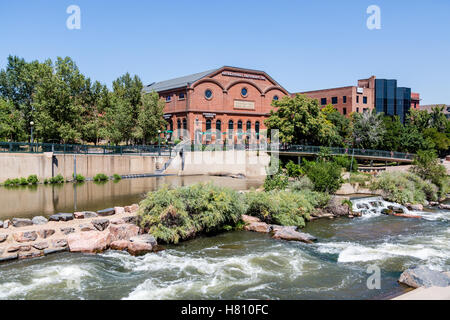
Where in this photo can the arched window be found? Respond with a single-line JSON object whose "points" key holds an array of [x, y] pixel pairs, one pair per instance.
{"points": [[249, 126], [239, 127], [275, 98], [208, 129], [257, 129], [208, 94], [218, 125], [184, 124], [230, 129]]}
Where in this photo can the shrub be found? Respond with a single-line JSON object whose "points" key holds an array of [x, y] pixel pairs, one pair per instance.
{"points": [[346, 163], [33, 179], [79, 178], [294, 170], [276, 182], [405, 188], [23, 182], [361, 178], [117, 177], [304, 183], [56, 179], [286, 208], [9, 183], [179, 214], [46, 181], [326, 176], [101, 177]]}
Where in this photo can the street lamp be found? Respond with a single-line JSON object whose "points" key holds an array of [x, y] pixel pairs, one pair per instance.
{"points": [[32, 125], [159, 142]]}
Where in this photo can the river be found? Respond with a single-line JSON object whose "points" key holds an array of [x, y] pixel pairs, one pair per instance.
{"points": [[245, 265]]}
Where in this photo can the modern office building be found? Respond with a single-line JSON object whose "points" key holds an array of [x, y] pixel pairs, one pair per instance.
{"points": [[380, 94], [429, 108], [227, 101]]}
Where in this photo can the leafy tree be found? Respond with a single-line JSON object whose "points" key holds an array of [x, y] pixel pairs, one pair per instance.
{"points": [[300, 121], [392, 136], [150, 118], [119, 120], [341, 123], [11, 122], [368, 129], [439, 139]]}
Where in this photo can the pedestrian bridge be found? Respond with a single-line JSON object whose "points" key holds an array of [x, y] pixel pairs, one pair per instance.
{"points": [[364, 154]]}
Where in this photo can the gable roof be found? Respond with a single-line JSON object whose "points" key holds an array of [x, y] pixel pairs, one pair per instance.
{"points": [[177, 82]]}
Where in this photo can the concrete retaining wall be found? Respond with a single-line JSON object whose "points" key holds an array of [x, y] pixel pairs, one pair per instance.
{"points": [[22, 165]]}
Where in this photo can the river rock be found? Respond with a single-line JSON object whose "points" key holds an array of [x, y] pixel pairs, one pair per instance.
{"points": [[25, 255], [40, 245], [90, 214], [116, 221], [290, 234], [131, 219], [59, 243], [45, 233], [139, 248], [415, 207], [39, 220], [100, 224], [336, 208], [9, 258], [120, 245], [249, 219], [258, 227], [25, 248], [3, 237], [1, 224], [89, 242], [106, 212], [26, 236], [55, 250], [19, 223], [424, 277], [123, 231], [13, 249], [434, 203], [145, 238], [6, 224], [78, 215], [132, 208], [67, 230], [62, 217], [119, 210], [444, 206], [87, 227]]}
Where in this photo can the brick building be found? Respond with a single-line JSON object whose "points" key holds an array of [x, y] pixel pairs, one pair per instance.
{"points": [[372, 93], [227, 101]]}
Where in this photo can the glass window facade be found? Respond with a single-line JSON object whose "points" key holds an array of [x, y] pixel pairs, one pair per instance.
{"points": [[392, 100]]}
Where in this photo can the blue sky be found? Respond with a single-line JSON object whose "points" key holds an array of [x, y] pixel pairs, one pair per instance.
{"points": [[303, 44]]}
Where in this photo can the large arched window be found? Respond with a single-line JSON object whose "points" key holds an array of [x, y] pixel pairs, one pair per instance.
{"points": [[218, 125], [230, 129], [249, 126], [184, 124], [239, 126], [208, 130]]}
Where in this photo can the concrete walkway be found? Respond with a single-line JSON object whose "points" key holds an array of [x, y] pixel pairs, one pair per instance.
{"points": [[433, 293]]}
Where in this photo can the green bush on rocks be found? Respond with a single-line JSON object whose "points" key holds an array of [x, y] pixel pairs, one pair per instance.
{"points": [[101, 177], [182, 213]]}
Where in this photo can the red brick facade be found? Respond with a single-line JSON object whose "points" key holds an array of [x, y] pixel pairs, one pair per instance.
{"points": [[350, 99], [190, 108]]}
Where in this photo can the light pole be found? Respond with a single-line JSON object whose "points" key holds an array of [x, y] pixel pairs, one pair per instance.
{"points": [[32, 140], [159, 142]]}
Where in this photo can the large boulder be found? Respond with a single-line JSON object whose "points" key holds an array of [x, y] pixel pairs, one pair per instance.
{"points": [[119, 210], [61, 217], [40, 245], [139, 248], [145, 238], [39, 220], [85, 215], [336, 208], [26, 236], [258, 227], [290, 234], [19, 223], [120, 245], [415, 207], [249, 219], [424, 277], [444, 206], [106, 212], [123, 231], [89, 242]]}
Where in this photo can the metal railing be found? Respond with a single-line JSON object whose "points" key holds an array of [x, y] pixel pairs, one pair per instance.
{"points": [[170, 150]]}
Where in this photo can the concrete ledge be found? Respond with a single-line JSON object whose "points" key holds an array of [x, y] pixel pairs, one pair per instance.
{"points": [[432, 293]]}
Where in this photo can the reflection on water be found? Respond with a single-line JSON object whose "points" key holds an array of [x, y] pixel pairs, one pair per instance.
{"points": [[44, 200]]}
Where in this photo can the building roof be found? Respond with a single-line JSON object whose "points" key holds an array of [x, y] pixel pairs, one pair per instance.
{"points": [[177, 82]]}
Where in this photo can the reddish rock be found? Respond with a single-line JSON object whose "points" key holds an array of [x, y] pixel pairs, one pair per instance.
{"points": [[78, 215], [19, 223], [25, 248], [131, 219], [119, 210], [249, 219], [139, 248], [120, 245], [123, 231], [45, 233], [134, 207], [87, 227], [13, 249], [26, 236], [89, 242], [116, 221], [41, 245], [258, 227], [25, 255], [6, 224]]}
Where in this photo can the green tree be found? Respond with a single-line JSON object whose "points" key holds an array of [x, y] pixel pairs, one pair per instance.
{"points": [[341, 123], [392, 136], [12, 126], [118, 117], [368, 129], [150, 118]]}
